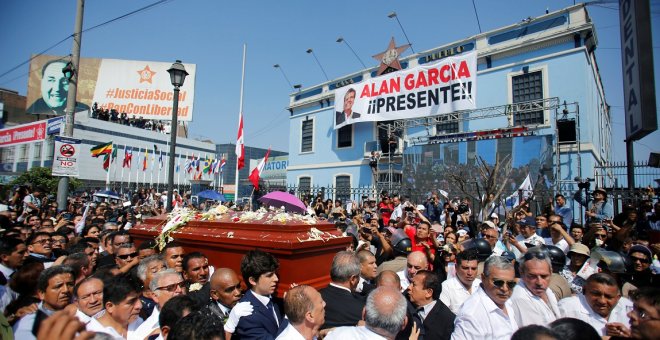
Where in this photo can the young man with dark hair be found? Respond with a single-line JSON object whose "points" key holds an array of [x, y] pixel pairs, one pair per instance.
{"points": [[173, 254], [259, 271], [457, 289], [122, 309], [174, 310], [55, 288], [40, 247], [12, 255]]}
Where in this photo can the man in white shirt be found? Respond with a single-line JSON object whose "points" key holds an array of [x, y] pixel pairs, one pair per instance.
{"points": [[532, 301], [305, 308], [368, 271], [527, 237], [397, 214], [458, 289], [164, 285], [600, 305], [88, 295], [122, 309], [384, 316], [416, 261], [488, 313], [12, 255]]}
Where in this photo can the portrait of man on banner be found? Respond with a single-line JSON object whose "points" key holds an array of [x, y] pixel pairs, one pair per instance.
{"points": [[54, 90], [346, 115]]}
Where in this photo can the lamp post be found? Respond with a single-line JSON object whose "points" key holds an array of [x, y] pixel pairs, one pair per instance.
{"points": [[177, 76], [340, 40], [311, 51], [393, 15]]}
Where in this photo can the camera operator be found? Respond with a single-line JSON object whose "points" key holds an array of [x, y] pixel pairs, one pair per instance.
{"points": [[318, 207], [598, 209], [433, 208]]}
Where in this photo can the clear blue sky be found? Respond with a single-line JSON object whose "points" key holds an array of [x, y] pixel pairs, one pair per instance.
{"points": [[211, 34]]}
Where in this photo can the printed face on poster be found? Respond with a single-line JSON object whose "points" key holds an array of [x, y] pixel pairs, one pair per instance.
{"points": [[67, 152], [137, 88], [427, 90]]}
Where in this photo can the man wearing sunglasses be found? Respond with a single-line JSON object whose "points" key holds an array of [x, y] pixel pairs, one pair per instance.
{"points": [[533, 302], [488, 313], [164, 285], [640, 274], [126, 258]]}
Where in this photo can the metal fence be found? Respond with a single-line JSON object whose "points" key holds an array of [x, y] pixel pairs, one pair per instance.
{"points": [[614, 175]]}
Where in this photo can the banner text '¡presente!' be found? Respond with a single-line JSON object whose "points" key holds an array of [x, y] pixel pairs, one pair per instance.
{"points": [[144, 94], [432, 97], [149, 109]]}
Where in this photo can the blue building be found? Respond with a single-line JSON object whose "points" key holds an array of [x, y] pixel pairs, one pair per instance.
{"points": [[537, 80]]}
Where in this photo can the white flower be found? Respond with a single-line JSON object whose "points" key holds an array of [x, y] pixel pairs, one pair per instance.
{"points": [[195, 286]]}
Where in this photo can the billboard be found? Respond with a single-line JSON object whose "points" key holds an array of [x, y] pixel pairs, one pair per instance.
{"points": [[427, 167], [25, 133], [275, 168], [446, 86], [138, 88]]}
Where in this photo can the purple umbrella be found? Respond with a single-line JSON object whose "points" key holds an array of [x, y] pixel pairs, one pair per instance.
{"points": [[280, 198]]}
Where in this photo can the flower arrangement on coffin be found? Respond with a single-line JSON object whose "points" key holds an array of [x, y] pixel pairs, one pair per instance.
{"points": [[176, 219]]}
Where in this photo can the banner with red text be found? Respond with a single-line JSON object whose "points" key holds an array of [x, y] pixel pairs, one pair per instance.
{"points": [[25, 133], [137, 88], [428, 90]]}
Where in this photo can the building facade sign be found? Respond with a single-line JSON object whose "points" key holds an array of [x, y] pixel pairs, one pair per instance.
{"points": [[21, 134]]}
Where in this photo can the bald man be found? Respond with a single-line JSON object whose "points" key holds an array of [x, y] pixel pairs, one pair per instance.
{"points": [[416, 261], [225, 292]]}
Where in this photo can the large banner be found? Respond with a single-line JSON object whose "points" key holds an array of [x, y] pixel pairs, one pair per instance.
{"points": [[67, 152], [137, 88], [431, 89]]}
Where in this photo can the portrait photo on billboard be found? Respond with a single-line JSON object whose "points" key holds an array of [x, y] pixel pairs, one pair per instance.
{"points": [[345, 114], [48, 87]]}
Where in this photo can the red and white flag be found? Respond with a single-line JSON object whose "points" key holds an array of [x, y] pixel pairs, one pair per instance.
{"points": [[256, 172], [240, 147]]}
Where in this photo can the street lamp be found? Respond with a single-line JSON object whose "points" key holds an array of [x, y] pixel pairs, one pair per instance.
{"points": [[177, 76], [393, 15], [342, 40]]}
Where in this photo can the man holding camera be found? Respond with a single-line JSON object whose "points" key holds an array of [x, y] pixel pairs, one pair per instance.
{"points": [[598, 209]]}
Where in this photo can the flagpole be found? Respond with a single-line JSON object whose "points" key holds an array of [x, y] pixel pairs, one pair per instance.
{"points": [[130, 164], [240, 114], [114, 171], [178, 174], [122, 170]]}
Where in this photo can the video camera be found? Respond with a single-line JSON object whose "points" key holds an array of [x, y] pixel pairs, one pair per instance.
{"points": [[584, 183]]}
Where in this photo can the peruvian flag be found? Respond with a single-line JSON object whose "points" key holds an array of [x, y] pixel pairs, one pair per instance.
{"points": [[128, 157], [240, 147], [256, 172]]}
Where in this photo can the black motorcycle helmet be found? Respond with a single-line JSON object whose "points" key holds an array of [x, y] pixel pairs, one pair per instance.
{"points": [[557, 258], [403, 247], [483, 249]]}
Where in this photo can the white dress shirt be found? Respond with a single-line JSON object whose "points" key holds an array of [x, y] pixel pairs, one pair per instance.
{"points": [[480, 318], [426, 309], [403, 277], [353, 333], [577, 307], [149, 325], [529, 309], [290, 333], [536, 240], [454, 293]]}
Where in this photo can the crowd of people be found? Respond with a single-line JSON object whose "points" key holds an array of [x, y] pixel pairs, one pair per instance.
{"points": [[122, 118], [414, 270]]}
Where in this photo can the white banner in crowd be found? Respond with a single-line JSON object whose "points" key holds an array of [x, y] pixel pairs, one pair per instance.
{"points": [[138, 88], [67, 152], [432, 89]]}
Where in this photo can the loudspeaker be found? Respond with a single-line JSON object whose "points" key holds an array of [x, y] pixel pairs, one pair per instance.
{"points": [[566, 129], [654, 160]]}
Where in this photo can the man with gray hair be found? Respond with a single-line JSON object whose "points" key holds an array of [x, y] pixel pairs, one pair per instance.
{"points": [[164, 285], [384, 316], [343, 306], [305, 309], [148, 266], [488, 313], [533, 302]]}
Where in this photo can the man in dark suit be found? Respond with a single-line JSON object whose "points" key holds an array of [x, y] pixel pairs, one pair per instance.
{"points": [[424, 292], [368, 272], [225, 292], [266, 321], [347, 113], [343, 307]]}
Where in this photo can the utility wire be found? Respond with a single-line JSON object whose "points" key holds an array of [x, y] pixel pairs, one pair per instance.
{"points": [[85, 30]]}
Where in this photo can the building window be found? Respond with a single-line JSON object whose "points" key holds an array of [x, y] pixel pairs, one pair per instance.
{"points": [[527, 87], [307, 136], [447, 125], [343, 188], [304, 186], [345, 136]]}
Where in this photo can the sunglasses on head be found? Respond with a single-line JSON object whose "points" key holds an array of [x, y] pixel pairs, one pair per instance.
{"points": [[501, 283], [126, 256], [535, 255]]}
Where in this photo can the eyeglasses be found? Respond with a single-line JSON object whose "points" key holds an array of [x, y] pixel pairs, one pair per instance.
{"points": [[172, 288], [42, 241], [126, 256], [643, 315], [60, 241], [635, 259], [489, 236], [600, 235], [535, 255], [500, 283]]}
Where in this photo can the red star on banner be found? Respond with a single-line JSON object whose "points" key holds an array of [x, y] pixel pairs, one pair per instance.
{"points": [[389, 60], [146, 74]]}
